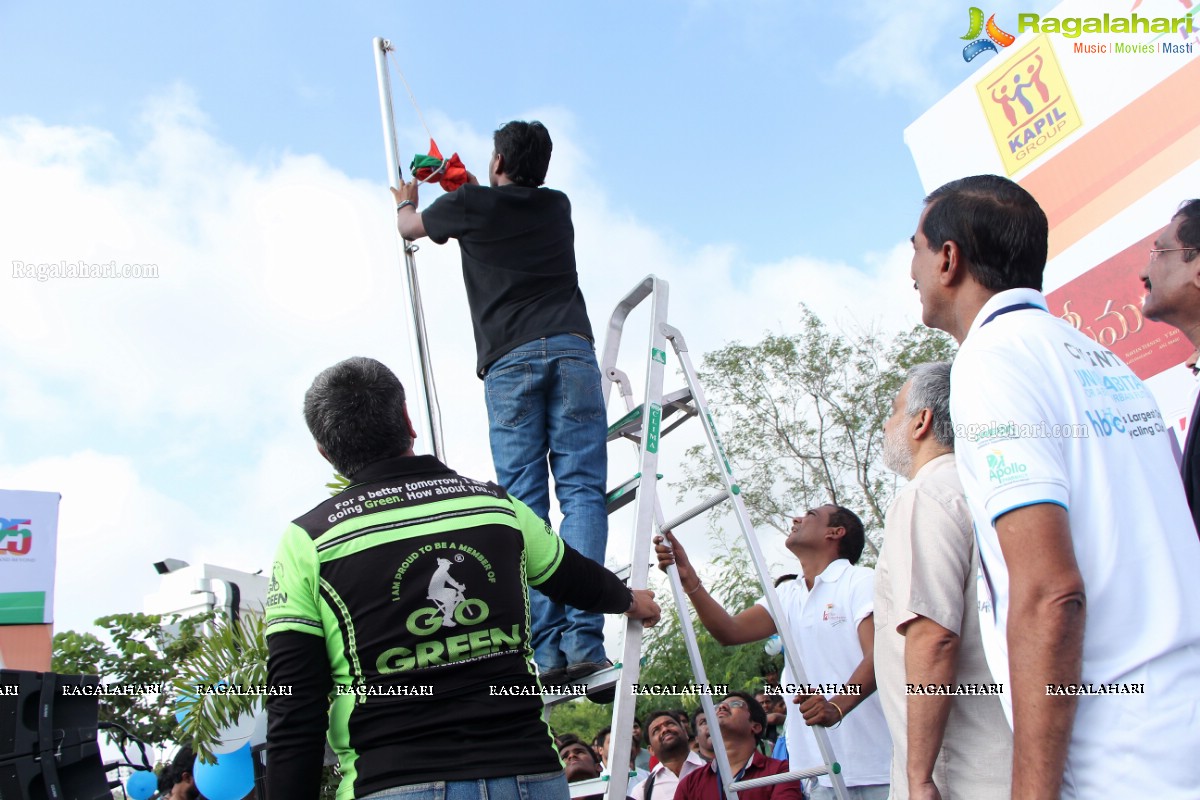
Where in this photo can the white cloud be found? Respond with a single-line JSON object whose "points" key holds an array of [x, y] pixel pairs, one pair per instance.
{"points": [[111, 528], [170, 407], [901, 51]]}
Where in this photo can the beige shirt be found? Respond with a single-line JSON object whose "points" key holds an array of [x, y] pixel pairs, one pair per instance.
{"points": [[928, 567]]}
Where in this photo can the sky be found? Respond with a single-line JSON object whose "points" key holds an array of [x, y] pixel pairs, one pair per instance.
{"points": [[750, 153]]}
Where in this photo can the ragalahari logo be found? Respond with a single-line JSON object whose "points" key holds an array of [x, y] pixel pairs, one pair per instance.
{"points": [[15, 537], [995, 36]]}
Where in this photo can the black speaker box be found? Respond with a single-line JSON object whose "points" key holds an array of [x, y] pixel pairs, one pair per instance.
{"points": [[77, 773], [20, 693], [72, 717], [48, 738]]}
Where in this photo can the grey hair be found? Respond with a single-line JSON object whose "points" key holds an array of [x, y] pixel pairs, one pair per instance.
{"points": [[929, 387], [355, 412]]}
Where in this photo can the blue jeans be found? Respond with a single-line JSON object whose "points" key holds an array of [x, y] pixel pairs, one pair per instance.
{"points": [[546, 786], [546, 415]]}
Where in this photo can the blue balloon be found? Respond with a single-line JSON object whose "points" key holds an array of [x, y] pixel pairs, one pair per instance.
{"points": [[231, 778], [141, 785]]}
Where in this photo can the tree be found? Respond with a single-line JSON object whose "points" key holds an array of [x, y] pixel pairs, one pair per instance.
{"points": [[803, 417], [144, 652], [231, 653], [740, 667]]}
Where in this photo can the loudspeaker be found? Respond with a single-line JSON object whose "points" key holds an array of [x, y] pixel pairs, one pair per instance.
{"points": [[25, 778], [20, 692], [70, 709], [258, 753], [78, 772], [48, 744]]}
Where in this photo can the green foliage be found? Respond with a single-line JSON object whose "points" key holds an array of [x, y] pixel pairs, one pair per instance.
{"points": [[741, 667], [802, 417], [235, 654], [144, 651], [580, 717], [337, 484]]}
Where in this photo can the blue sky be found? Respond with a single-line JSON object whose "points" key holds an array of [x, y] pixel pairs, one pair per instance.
{"points": [[768, 118], [749, 152]]}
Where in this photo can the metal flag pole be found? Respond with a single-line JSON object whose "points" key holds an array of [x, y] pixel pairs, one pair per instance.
{"points": [[433, 417]]}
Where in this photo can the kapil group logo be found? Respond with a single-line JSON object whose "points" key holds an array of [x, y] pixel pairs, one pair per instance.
{"points": [[15, 537], [995, 36], [1028, 105]]}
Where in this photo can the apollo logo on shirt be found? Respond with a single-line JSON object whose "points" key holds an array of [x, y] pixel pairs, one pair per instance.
{"points": [[1002, 471]]}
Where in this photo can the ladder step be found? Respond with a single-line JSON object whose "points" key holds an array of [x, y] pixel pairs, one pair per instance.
{"points": [[623, 495], [716, 499], [597, 681], [592, 786], [588, 788], [784, 777], [630, 425]]}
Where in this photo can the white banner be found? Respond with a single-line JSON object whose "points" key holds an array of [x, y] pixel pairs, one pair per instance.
{"points": [[1081, 106], [28, 547]]}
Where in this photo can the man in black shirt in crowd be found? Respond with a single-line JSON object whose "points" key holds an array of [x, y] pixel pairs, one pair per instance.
{"points": [[535, 354]]}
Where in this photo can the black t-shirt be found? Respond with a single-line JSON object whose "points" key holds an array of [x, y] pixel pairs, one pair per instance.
{"points": [[518, 258]]}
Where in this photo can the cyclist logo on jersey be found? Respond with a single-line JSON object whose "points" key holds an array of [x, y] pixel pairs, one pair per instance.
{"points": [[451, 606]]}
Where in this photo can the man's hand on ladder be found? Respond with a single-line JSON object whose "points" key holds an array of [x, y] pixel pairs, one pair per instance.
{"points": [[670, 551], [644, 608]]}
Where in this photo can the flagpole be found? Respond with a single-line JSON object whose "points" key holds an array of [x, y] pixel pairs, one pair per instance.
{"points": [[432, 421]]}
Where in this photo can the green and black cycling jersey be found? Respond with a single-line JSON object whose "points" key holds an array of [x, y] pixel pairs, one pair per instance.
{"points": [[405, 598]]}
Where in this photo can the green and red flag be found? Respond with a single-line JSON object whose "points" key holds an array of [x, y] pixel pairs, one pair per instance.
{"points": [[450, 173]]}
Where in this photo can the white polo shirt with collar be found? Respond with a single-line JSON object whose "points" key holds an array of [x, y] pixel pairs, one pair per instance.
{"points": [[824, 623], [665, 781], [1043, 414]]}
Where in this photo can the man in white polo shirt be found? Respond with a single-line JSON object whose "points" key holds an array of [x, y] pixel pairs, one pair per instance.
{"points": [[829, 610], [1086, 542]]}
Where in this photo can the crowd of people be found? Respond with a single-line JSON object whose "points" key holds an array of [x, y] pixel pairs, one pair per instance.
{"points": [[1027, 632]]}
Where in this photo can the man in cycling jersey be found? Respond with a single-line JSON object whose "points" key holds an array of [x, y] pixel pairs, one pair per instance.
{"points": [[350, 615]]}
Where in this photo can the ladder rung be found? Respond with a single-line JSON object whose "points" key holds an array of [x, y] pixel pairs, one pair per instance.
{"points": [[630, 425], [588, 788], [783, 777], [626, 424], [604, 679], [715, 500], [623, 495]]}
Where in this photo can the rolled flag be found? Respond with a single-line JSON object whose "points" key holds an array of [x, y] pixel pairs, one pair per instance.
{"points": [[449, 172]]}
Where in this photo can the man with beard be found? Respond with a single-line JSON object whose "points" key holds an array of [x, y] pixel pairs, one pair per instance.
{"points": [[944, 744], [669, 743]]}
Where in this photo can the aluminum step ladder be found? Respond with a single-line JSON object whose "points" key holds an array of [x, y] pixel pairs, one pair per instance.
{"points": [[644, 426]]}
